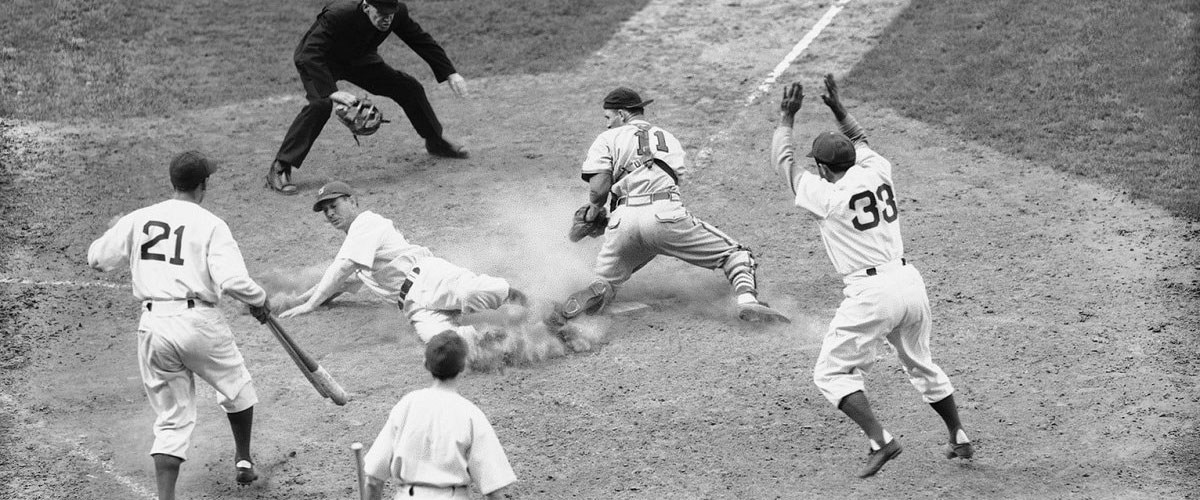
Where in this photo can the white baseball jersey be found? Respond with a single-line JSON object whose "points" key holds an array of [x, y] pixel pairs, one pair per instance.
{"points": [[373, 241], [176, 250], [858, 216], [436, 437], [884, 297], [628, 153]]}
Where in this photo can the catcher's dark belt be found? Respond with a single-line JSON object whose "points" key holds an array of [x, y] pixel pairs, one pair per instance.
{"points": [[407, 285], [872, 271], [646, 199]]}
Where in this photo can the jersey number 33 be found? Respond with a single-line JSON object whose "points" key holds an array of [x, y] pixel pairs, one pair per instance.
{"points": [[871, 207]]}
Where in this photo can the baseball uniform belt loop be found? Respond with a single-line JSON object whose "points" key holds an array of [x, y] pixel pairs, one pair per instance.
{"points": [[871, 271], [646, 199]]}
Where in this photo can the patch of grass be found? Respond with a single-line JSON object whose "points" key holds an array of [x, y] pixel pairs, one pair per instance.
{"points": [[1105, 89], [114, 58]]}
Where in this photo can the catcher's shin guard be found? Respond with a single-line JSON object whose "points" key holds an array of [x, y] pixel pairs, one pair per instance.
{"points": [[739, 269]]}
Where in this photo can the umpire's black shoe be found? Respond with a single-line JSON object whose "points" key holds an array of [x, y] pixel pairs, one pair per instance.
{"points": [[960, 450], [446, 149], [877, 458], [245, 472]]}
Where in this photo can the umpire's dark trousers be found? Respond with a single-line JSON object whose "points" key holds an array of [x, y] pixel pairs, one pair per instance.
{"points": [[377, 78]]}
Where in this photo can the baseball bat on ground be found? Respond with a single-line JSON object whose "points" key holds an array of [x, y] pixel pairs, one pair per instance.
{"points": [[316, 375], [358, 468]]}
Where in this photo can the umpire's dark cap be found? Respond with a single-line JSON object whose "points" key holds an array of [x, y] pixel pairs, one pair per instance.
{"points": [[833, 149], [624, 98], [386, 6], [331, 191], [446, 355], [189, 169]]}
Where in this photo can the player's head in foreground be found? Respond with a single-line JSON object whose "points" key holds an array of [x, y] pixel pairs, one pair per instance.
{"points": [[446, 355], [621, 105], [189, 174], [336, 200], [834, 154]]}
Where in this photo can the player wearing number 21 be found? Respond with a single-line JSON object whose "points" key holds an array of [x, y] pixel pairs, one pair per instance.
{"points": [[182, 258], [850, 195]]}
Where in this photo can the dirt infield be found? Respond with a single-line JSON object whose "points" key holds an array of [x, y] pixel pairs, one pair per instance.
{"points": [[1064, 312]]}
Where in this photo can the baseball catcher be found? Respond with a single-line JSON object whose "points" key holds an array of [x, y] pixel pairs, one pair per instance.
{"points": [[359, 115]]}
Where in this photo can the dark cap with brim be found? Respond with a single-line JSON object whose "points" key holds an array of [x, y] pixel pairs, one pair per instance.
{"points": [[331, 191], [385, 5], [833, 149], [624, 98], [446, 355], [189, 169]]}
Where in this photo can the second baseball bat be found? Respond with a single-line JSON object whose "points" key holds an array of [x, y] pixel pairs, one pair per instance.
{"points": [[358, 468]]}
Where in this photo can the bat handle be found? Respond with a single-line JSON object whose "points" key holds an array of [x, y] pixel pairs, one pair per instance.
{"points": [[358, 469]]}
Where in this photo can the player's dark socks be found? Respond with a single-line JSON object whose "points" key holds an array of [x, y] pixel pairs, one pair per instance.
{"points": [[858, 408], [241, 423], [948, 410], [166, 474]]}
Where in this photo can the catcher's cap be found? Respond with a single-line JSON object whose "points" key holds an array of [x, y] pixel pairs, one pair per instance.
{"points": [[624, 98], [446, 355], [833, 149], [189, 169], [387, 6], [331, 191]]}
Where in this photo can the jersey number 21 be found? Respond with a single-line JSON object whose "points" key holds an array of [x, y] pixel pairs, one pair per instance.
{"points": [[163, 231]]}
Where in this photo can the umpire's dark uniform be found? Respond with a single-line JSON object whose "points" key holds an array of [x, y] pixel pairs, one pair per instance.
{"points": [[341, 45]]}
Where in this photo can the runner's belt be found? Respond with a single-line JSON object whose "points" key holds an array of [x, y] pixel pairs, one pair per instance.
{"points": [[872, 271], [407, 285]]}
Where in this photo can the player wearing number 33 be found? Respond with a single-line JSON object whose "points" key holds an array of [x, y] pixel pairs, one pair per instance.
{"points": [[852, 198], [637, 166], [182, 258]]}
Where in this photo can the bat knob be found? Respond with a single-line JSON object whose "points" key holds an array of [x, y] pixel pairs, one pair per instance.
{"points": [[356, 446]]}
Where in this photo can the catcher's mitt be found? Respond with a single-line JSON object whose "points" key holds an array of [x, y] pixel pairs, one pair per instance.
{"points": [[582, 228], [358, 115]]}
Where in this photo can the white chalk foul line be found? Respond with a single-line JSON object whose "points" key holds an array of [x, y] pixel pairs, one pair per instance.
{"points": [[10, 406], [706, 152], [796, 51], [74, 284]]}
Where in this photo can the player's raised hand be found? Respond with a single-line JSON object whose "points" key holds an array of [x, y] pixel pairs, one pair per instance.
{"points": [[831, 97], [793, 97]]}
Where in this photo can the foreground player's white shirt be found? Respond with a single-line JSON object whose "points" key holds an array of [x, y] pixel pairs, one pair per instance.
{"points": [[627, 152], [176, 250], [857, 216], [373, 241], [436, 437]]}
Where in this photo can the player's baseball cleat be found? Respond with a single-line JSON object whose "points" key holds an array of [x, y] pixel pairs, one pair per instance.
{"points": [[446, 149], [959, 450], [760, 312], [877, 458], [245, 472], [279, 178]]}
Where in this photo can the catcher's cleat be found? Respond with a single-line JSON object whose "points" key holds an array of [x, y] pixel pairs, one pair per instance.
{"points": [[760, 312], [876, 458], [959, 450], [446, 149], [245, 472], [279, 178]]}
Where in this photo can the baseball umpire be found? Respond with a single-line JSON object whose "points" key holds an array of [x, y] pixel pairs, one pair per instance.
{"points": [[850, 193], [432, 292], [342, 45], [638, 165], [182, 258]]}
